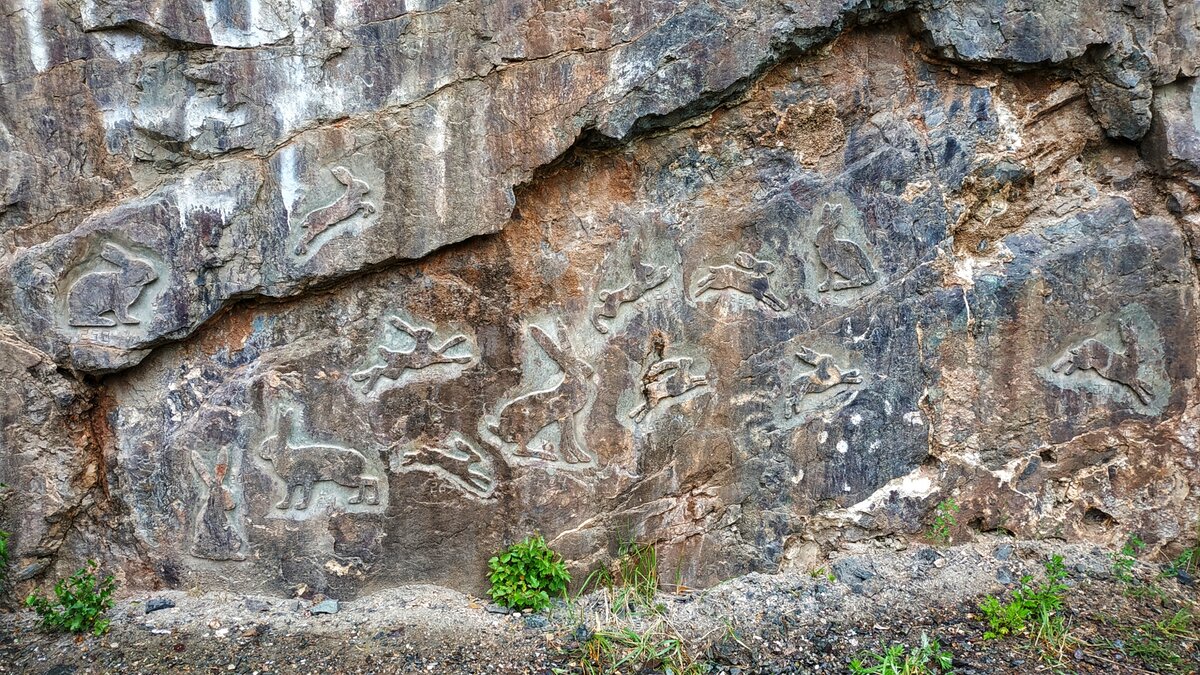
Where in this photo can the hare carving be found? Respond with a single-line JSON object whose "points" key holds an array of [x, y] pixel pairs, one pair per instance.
{"points": [[350, 203], [216, 537], [645, 278], [841, 257], [666, 379], [1121, 368], [522, 418], [422, 355], [302, 466], [428, 457], [96, 294], [826, 376], [748, 275]]}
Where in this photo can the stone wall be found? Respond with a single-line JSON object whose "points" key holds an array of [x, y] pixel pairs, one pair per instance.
{"points": [[349, 294]]}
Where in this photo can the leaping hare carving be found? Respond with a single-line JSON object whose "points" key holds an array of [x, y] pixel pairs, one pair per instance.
{"points": [[99, 293], [523, 417], [645, 278], [841, 257], [748, 275], [1099, 357], [302, 466], [422, 355], [826, 376], [350, 203], [666, 379], [427, 457]]}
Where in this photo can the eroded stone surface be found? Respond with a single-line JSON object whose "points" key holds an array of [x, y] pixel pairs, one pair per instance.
{"points": [[813, 269]]}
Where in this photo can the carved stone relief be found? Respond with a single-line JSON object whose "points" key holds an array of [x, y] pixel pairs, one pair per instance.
{"points": [[350, 203], [645, 278], [97, 294], [664, 378], [422, 355], [1119, 367], [747, 275], [825, 376], [216, 535], [846, 264], [521, 420], [301, 466], [455, 461]]}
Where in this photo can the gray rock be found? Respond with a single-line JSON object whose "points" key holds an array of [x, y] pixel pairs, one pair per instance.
{"points": [[156, 604], [1003, 552], [497, 609], [325, 607]]}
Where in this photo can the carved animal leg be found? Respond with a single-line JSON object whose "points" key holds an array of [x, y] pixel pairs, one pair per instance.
{"points": [[705, 284], [639, 413], [123, 315], [596, 314], [287, 498], [478, 481], [358, 496], [1143, 391], [302, 246], [798, 392], [1067, 362], [372, 486], [305, 494], [570, 445], [774, 301], [96, 319], [370, 375], [851, 377], [368, 207]]}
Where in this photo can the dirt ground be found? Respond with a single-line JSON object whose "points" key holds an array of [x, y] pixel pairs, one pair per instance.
{"points": [[794, 622]]}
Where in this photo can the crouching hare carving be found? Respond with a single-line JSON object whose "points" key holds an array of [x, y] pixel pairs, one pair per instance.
{"points": [[96, 294], [302, 466]]}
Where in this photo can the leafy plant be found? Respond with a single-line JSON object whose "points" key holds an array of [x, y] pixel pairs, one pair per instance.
{"points": [[927, 659], [1032, 604], [1124, 560], [944, 522], [3, 557], [1187, 562], [527, 574], [79, 602]]}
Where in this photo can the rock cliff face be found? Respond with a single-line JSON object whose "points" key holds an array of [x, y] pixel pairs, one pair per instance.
{"points": [[349, 294]]}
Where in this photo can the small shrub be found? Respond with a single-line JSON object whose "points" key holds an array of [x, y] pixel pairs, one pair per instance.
{"points": [[527, 574], [944, 522], [79, 603], [927, 659], [3, 558], [1124, 560]]}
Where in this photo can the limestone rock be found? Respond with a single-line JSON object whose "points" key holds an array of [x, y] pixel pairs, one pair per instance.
{"points": [[349, 295]]}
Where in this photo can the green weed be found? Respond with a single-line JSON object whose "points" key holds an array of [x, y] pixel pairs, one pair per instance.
{"points": [[1033, 606], [79, 602], [927, 659], [1124, 560], [527, 574], [944, 522]]}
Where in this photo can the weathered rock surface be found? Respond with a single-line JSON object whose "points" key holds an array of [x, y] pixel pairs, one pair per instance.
{"points": [[349, 295]]}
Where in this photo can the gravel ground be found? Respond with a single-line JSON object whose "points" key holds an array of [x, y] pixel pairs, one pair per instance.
{"points": [[783, 623]]}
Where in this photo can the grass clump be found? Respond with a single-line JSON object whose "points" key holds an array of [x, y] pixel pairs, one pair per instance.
{"points": [[944, 521], [527, 574], [631, 580], [927, 659], [1163, 644], [656, 648], [79, 602], [1033, 608]]}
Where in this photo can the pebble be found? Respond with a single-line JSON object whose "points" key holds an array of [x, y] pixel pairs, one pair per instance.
{"points": [[156, 604], [497, 609], [325, 607], [1003, 552]]}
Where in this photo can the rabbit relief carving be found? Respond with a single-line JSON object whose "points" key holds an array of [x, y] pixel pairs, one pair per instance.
{"points": [[96, 294], [216, 536], [302, 466]]}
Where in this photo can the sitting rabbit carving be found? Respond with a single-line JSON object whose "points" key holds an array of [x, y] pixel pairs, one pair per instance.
{"points": [[98, 293]]}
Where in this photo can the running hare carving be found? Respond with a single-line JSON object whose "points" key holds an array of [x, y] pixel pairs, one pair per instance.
{"points": [[216, 537], [747, 275], [350, 203], [96, 294], [1121, 368]]}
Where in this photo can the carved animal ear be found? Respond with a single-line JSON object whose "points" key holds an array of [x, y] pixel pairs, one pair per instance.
{"points": [[764, 267], [114, 255], [201, 469]]}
